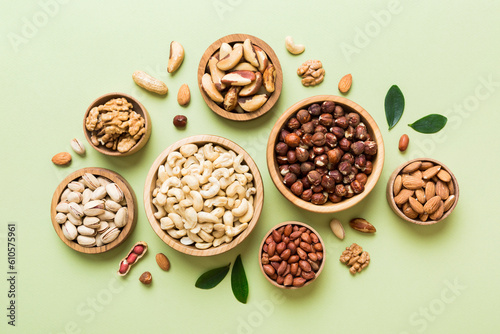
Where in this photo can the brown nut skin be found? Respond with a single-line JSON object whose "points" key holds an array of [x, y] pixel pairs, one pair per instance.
{"points": [[314, 109], [349, 133], [340, 190], [321, 161], [318, 139], [328, 183], [337, 132], [282, 160], [293, 124], [281, 148], [360, 132], [291, 156], [360, 161], [319, 198], [403, 142], [334, 198], [314, 177], [345, 144], [342, 122], [292, 140], [307, 195], [336, 175], [297, 188], [306, 167], [348, 157], [357, 187], [303, 116], [294, 168], [338, 112], [289, 179], [146, 278], [321, 128], [335, 155], [302, 154], [353, 119], [368, 168], [330, 140], [306, 183], [283, 134], [358, 147], [306, 140], [326, 119], [180, 121], [370, 147], [308, 127], [361, 178], [328, 107], [345, 167]]}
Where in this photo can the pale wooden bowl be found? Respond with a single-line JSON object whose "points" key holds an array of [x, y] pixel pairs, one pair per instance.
{"points": [[128, 192], [231, 39], [328, 207], [264, 241], [397, 210], [138, 108], [151, 184]]}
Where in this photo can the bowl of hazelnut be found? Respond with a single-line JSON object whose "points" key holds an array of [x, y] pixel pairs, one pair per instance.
{"points": [[325, 154]]}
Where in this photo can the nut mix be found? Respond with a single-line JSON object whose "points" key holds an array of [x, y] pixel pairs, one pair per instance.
{"points": [[325, 153], [424, 191], [239, 77], [134, 254], [204, 195], [115, 125], [292, 255], [355, 258], [312, 72], [92, 211]]}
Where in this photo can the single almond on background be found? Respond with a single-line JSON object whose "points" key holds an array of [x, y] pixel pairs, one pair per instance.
{"points": [[62, 158], [337, 228], [345, 83], [184, 95], [362, 225], [162, 261]]}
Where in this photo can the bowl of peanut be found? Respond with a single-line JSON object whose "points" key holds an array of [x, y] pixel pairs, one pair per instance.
{"points": [[422, 191], [325, 154], [240, 77], [117, 124], [203, 195]]}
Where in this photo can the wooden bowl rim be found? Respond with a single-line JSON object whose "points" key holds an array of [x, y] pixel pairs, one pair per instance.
{"points": [[329, 207], [140, 110], [128, 192], [390, 191], [247, 116], [150, 185], [292, 222]]}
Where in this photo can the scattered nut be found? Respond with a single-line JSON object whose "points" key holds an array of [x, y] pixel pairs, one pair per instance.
{"points": [[180, 121], [77, 146], [184, 95], [144, 80], [163, 261], [337, 228], [293, 48], [312, 72], [134, 254], [146, 278], [62, 158], [345, 83], [403, 142], [362, 225], [355, 258], [176, 56]]}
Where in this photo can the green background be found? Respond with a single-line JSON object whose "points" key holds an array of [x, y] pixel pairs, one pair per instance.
{"points": [[435, 279]]}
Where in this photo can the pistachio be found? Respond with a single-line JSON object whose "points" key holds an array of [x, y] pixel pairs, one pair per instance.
{"points": [[103, 181], [90, 181], [121, 217], [110, 235], [87, 195], [93, 208], [99, 193], [112, 206], [92, 222], [114, 192], [69, 231], [106, 215], [74, 197], [85, 241], [75, 210], [65, 194], [76, 186], [73, 220], [103, 227], [84, 230], [62, 207], [77, 146], [98, 240], [61, 218]]}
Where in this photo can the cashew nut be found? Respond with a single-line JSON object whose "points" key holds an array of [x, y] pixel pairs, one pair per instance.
{"points": [[162, 173], [219, 227], [177, 234], [219, 235], [178, 193], [191, 181], [207, 171], [186, 202], [194, 237], [172, 181], [186, 241], [228, 218], [171, 201], [224, 160], [250, 192], [209, 153], [238, 167], [221, 172], [156, 191], [160, 213], [203, 245], [190, 218], [207, 227], [161, 198], [166, 223], [234, 231], [216, 201], [177, 220], [241, 209], [236, 188], [205, 236], [248, 215], [205, 217], [174, 158], [188, 150], [293, 48], [213, 190], [241, 179], [218, 212], [197, 200]]}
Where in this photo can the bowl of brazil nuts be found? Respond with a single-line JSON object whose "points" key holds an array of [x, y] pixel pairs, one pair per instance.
{"points": [[117, 124], [422, 191], [240, 77], [291, 255], [203, 195], [325, 154], [93, 210]]}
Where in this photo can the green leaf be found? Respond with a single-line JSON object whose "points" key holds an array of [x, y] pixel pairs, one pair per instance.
{"points": [[212, 277], [239, 282], [394, 106], [429, 124]]}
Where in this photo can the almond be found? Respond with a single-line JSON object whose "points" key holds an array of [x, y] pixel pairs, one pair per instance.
{"points": [[432, 205], [442, 190], [337, 228], [408, 211], [430, 172], [426, 165], [451, 187], [430, 190], [412, 167], [345, 83], [416, 205], [420, 194], [62, 158], [362, 225], [397, 185], [423, 217], [449, 203], [412, 182], [403, 196], [184, 95], [444, 175], [162, 261], [439, 212]]}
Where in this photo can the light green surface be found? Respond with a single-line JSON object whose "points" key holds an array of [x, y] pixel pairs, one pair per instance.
{"points": [[439, 53]]}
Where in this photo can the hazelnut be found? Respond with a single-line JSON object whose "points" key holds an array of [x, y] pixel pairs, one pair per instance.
{"points": [[338, 112], [348, 157], [284, 169], [361, 133], [321, 160], [291, 156], [281, 148], [146, 278], [319, 198], [289, 179], [306, 140], [292, 140], [315, 121], [305, 182], [342, 122], [306, 195], [357, 147], [314, 177], [295, 169], [353, 119], [328, 183], [180, 121], [360, 161], [297, 188], [328, 107], [349, 133], [351, 176], [357, 187], [318, 139], [345, 167], [319, 150], [334, 198], [317, 189], [283, 134], [311, 154], [335, 155], [330, 140], [368, 168], [293, 124], [299, 132], [320, 128], [344, 144], [349, 190], [308, 127], [370, 147], [326, 119], [361, 178], [282, 160], [336, 175], [306, 167], [302, 154], [303, 116], [337, 132], [322, 170], [314, 109], [340, 190]]}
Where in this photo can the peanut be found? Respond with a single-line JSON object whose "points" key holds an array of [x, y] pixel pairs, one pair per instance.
{"points": [[144, 80]]}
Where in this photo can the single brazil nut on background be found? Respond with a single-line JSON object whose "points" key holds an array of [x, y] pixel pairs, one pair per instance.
{"points": [[135, 253]]}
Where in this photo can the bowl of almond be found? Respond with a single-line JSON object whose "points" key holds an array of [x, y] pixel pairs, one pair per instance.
{"points": [[422, 191]]}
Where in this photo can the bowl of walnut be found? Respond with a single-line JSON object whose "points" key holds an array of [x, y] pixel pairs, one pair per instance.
{"points": [[325, 154], [117, 124]]}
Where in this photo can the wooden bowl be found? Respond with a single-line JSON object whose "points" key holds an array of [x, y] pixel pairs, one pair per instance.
{"points": [[273, 282], [202, 69], [328, 207], [138, 108], [397, 210], [128, 192], [151, 184]]}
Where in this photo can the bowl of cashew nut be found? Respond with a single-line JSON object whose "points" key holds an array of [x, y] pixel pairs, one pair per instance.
{"points": [[203, 195]]}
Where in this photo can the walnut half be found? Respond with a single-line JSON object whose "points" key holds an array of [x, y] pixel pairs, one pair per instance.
{"points": [[355, 258], [312, 72]]}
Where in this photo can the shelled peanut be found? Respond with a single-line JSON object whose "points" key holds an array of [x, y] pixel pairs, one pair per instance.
{"points": [[239, 77], [292, 255], [135, 253], [424, 191]]}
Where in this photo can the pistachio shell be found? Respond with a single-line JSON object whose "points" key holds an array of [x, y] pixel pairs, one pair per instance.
{"points": [[75, 210], [99, 193], [91, 181], [85, 241], [121, 217], [84, 230], [92, 222], [93, 208], [69, 231], [110, 235]]}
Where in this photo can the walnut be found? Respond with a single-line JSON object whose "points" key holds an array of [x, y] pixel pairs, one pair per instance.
{"points": [[136, 122], [120, 104], [92, 119], [355, 258], [312, 72], [125, 144]]}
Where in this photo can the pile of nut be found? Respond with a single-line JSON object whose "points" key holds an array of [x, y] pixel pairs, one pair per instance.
{"points": [[292, 255], [355, 258], [325, 153], [93, 210], [424, 190], [239, 77], [312, 72], [115, 125], [204, 195]]}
